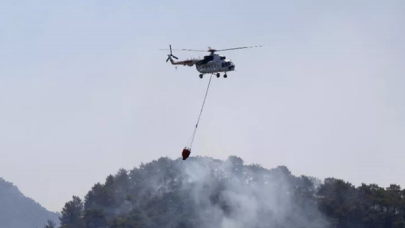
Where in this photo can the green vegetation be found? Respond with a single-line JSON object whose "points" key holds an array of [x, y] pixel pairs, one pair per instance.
{"points": [[204, 192]]}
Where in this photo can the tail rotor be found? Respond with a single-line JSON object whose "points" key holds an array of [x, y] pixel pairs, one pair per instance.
{"points": [[170, 55]]}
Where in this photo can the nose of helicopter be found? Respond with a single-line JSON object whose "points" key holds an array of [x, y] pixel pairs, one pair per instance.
{"points": [[231, 67]]}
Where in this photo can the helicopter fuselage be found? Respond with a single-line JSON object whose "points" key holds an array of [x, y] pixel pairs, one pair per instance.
{"points": [[210, 64], [214, 64]]}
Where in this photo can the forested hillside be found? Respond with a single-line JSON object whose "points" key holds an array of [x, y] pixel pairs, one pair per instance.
{"points": [[204, 192], [18, 211]]}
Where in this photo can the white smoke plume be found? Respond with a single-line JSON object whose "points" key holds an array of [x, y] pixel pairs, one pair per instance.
{"points": [[229, 194], [247, 196]]}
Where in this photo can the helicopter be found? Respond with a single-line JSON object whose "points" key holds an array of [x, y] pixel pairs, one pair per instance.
{"points": [[209, 64]]}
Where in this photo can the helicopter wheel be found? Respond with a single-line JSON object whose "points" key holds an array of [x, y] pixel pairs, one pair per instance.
{"points": [[201, 75], [225, 76], [218, 75]]}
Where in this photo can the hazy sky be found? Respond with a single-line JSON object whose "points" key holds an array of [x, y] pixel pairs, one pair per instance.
{"points": [[85, 91]]}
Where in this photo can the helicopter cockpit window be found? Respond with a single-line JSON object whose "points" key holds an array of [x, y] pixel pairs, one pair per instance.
{"points": [[223, 57], [226, 64]]}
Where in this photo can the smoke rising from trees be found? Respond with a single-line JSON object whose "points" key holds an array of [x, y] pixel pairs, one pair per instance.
{"points": [[204, 192], [199, 192]]}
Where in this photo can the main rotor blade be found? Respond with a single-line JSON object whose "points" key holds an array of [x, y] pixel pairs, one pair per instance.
{"points": [[210, 49], [184, 50], [228, 49]]}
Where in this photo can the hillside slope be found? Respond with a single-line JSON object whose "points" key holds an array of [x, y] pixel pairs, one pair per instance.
{"points": [[204, 192], [19, 211], [199, 192]]}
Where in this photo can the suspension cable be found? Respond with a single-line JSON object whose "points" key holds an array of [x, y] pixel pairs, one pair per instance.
{"points": [[202, 107]]}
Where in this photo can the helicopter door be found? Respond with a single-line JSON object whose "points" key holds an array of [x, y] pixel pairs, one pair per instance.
{"points": [[207, 59]]}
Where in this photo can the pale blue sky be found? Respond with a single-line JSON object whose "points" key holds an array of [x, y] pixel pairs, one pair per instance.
{"points": [[84, 89]]}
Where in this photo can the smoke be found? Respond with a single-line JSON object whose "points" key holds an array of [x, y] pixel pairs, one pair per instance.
{"points": [[231, 195], [205, 192]]}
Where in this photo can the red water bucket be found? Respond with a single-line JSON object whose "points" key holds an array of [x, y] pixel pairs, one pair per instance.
{"points": [[186, 152]]}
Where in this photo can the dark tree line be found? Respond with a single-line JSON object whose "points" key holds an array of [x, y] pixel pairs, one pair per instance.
{"points": [[365, 206], [170, 193]]}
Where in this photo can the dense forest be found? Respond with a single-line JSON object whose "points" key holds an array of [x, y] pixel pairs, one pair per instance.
{"points": [[203, 192]]}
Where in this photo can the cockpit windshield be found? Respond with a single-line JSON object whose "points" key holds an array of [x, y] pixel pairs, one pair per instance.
{"points": [[226, 64]]}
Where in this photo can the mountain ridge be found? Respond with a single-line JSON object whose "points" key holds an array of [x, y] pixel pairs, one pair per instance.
{"points": [[20, 211]]}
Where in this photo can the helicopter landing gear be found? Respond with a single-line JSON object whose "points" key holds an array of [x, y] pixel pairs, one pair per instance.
{"points": [[218, 75], [201, 75], [225, 76]]}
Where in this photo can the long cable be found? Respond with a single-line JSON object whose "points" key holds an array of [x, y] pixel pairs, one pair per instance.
{"points": [[202, 107]]}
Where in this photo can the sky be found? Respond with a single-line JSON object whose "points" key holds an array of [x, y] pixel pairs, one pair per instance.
{"points": [[85, 90]]}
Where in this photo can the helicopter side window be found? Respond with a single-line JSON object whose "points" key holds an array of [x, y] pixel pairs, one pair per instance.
{"points": [[223, 57], [208, 58]]}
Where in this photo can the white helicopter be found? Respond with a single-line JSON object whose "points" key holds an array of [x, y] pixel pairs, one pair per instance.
{"points": [[210, 64]]}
